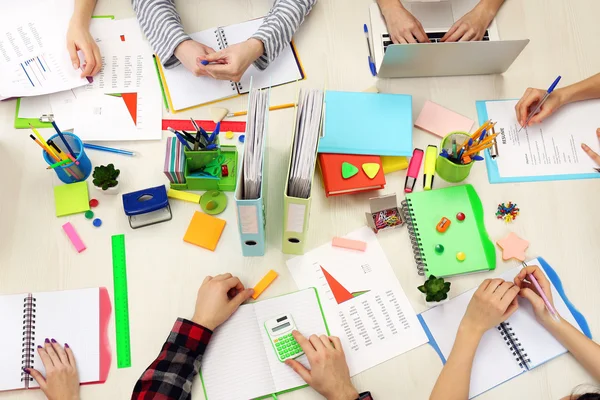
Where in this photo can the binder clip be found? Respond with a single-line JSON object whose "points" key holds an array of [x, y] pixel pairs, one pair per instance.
{"points": [[147, 207], [384, 214], [48, 118]]}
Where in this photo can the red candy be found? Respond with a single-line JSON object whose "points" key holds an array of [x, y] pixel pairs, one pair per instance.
{"points": [[460, 216], [93, 203]]}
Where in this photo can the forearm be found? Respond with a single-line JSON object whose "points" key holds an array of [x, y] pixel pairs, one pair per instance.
{"points": [[279, 26], [82, 13], [584, 90], [386, 5], [453, 382], [586, 351], [161, 24], [492, 5]]}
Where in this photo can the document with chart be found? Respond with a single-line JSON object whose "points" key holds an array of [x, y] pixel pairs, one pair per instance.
{"points": [[362, 300]]}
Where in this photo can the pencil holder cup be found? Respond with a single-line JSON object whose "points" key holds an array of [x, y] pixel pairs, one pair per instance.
{"points": [[70, 172], [448, 170]]}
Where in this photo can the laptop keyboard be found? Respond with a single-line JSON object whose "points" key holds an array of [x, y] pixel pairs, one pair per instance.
{"points": [[434, 37]]}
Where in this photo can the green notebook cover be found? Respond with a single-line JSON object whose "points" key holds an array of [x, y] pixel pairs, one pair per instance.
{"points": [[424, 210]]}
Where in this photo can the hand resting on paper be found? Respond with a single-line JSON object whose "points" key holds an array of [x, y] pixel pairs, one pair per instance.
{"points": [[218, 298], [79, 38], [328, 374], [593, 155], [61, 381]]}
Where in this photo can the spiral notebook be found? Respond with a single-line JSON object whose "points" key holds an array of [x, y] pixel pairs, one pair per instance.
{"points": [[184, 90], [423, 211], [77, 317], [510, 349]]}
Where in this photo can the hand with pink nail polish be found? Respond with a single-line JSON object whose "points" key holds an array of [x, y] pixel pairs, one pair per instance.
{"points": [[61, 381]]}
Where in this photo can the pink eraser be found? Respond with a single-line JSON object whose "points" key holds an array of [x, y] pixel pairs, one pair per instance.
{"points": [[349, 243], [74, 237]]}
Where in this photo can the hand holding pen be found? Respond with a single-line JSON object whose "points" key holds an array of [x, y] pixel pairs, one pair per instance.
{"points": [[537, 104], [536, 288]]}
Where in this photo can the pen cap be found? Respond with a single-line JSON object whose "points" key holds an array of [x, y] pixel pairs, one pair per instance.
{"points": [[447, 169], [70, 173]]}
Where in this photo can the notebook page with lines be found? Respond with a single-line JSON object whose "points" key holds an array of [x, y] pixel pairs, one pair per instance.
{"points": [[11, 335]]}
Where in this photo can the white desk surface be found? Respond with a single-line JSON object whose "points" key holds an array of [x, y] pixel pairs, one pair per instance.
{"points": [[560, 219]]}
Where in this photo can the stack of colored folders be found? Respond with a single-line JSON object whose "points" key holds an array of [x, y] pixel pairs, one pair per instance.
{"points": [[174, 161]]}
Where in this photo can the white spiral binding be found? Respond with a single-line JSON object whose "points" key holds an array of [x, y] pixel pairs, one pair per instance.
{"points": [[415, 236], [514, 345], [27, 346]]}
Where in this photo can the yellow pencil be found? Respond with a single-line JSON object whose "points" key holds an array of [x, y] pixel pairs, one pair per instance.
{"points": [[273, 108], [43, 141], [477, 149]]}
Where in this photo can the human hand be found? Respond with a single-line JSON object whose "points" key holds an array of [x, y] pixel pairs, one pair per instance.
{"points": [[402, 26], [493, 302], [218, 298], [233, 61], [530, 100], [471, 26], [191, 53], [79, 38], [593, 155], [529, 292], [328, 374], [61, 381]]}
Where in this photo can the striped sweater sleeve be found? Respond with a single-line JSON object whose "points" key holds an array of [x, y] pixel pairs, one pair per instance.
{"points": [[279, 26], [161, 24]]}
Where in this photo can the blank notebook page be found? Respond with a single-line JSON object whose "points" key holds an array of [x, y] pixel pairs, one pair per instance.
{"points": [[187, 90], [235, 366], [304, 309], [73, 317], [11, 335], [283, 69]]}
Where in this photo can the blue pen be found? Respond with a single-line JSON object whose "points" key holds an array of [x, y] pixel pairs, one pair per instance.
{"points": [[477, 158], [460, 153], [444, 153], [371, 63], [179, 137], [63, 139], [541, 103], [483, 133], [108, 149], [215, 132]]}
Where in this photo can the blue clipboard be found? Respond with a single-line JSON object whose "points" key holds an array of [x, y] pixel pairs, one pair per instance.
{"points": [[492, 166]]}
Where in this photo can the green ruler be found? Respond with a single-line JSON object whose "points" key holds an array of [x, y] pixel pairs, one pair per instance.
{"points": [[121, 302]]}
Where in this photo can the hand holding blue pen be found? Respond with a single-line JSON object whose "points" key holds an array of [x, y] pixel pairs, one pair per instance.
{"points": [[527, 100]]}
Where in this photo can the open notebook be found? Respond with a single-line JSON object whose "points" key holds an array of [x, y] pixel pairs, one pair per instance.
{"points": [[240, 362], [77, 317], [495, 360], [184, 90]]}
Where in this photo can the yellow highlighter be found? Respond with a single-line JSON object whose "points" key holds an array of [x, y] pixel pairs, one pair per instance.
{"points": [[429, 169]]}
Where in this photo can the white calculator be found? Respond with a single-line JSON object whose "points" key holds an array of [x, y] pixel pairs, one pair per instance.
{"points": [[280, 330]]}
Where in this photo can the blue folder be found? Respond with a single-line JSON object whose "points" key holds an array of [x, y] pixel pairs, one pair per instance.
{"points": [[492, 166], [367, 123]]}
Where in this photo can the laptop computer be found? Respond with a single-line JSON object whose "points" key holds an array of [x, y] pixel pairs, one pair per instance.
{"points": [[488, 56]]}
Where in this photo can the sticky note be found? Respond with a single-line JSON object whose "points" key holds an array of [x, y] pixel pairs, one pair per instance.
{"points": [[74, 237], [349, 244], [71, 198], [264, 283], [440, 121], [185, 196], [204, 231]]}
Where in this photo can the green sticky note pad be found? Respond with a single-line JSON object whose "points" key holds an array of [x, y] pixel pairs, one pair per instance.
{"points": [[72, 198]]}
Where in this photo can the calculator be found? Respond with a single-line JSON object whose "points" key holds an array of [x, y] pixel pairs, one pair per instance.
{"points": [[280, 330]]}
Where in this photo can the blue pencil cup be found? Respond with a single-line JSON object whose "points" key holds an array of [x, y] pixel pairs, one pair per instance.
{"points": [[71, 172]]}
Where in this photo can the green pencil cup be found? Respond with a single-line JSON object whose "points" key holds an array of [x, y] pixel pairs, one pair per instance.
{"points": [[446, 169]]}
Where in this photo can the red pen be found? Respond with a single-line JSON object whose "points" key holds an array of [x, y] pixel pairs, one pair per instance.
{"points": [[413, 170]]}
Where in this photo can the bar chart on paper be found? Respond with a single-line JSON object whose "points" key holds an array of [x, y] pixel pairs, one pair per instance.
{"points": [[36, 70]]}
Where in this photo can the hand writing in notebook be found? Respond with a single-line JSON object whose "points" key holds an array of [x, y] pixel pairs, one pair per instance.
{"points": [[529, 292], [233, 61], [218, 298], [328, 374], [191, 53], [494, 301], [61, 381]]}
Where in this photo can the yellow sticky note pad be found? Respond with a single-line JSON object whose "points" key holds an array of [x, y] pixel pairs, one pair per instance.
{"points": [[204, 231], [71, 198], [264, 283]]}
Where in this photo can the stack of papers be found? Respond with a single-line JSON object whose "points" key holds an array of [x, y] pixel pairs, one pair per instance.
{"points": [[256, 130], [308, 126]]}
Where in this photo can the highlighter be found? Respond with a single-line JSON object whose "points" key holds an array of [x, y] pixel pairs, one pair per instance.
{"points": [[413, 170], [429, 168]]}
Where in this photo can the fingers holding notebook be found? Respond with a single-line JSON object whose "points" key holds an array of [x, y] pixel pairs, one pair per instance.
{"points": [[61, 380]]}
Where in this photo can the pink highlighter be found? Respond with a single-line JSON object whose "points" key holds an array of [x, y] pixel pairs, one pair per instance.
{"points": [[413, 170]]}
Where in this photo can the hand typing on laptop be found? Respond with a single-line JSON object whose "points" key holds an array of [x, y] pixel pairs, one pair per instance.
{"points": [[472, 25], [402, 26]]}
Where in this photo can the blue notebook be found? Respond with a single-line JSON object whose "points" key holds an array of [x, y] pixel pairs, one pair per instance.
{"points": [[367, 123], [495, 360], [492, 164]]}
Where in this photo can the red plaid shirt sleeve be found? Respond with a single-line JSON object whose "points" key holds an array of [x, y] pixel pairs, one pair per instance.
{"points": [[170, 376]]}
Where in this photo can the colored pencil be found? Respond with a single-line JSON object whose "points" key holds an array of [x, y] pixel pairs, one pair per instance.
{"points": [[108, 149], [273, 108], [60, 134]]}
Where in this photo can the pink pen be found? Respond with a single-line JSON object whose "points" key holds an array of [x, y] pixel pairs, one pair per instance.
{"points": [[549, 307], [413, 170]]}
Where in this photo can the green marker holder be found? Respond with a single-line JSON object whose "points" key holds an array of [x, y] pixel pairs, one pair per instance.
{"points": [[448, 170], [196, 160]]}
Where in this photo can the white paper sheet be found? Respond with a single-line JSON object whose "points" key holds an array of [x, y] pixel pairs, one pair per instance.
{"points": [[11, 336], [375, 326], [550, 148], [256, 131]]}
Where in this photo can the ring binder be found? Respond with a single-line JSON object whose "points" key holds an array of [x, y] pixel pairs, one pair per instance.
{"points": [[514, 344], [415, 237], [27, 352]]}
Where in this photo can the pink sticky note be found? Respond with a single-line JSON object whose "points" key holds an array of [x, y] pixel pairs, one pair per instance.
{"points": [[513, 247], [440, 121], [74, 237], [349, 244]]}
